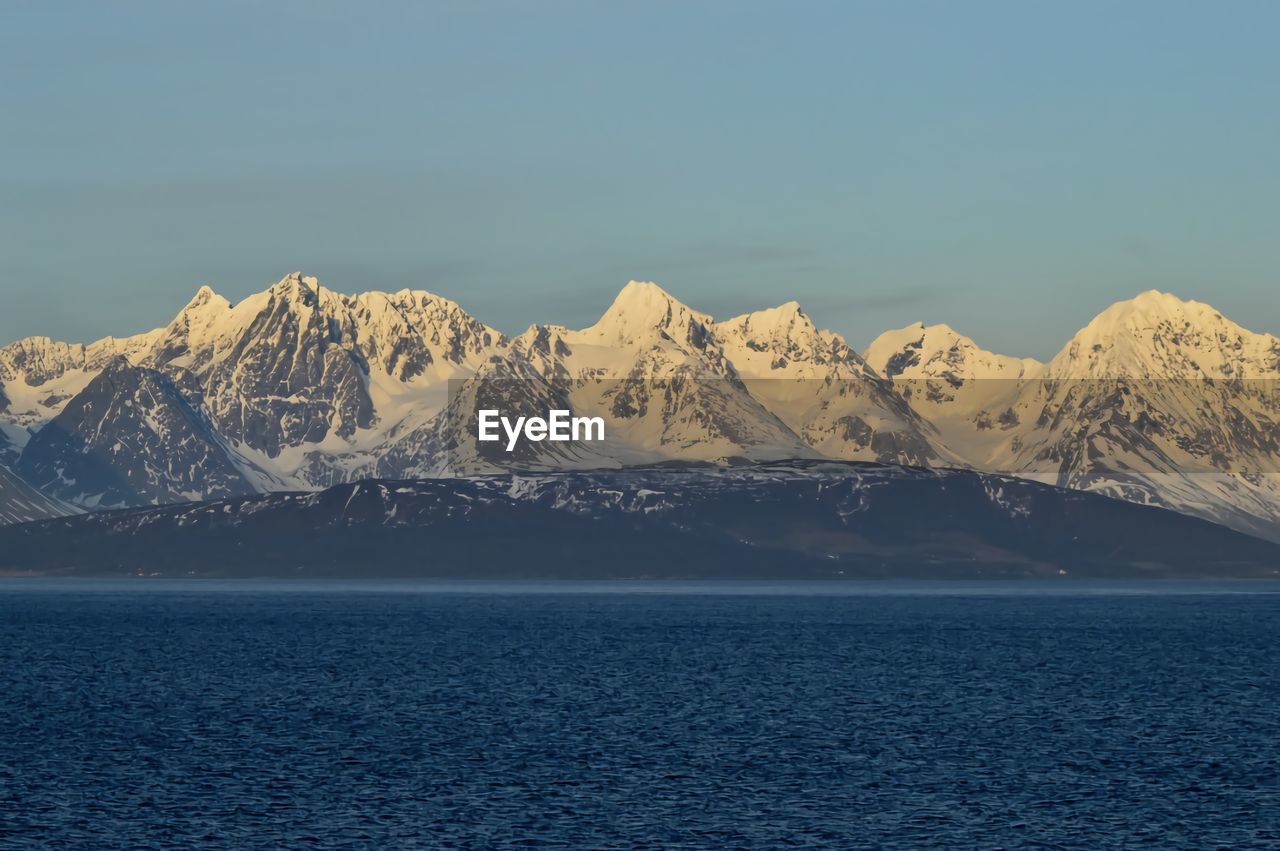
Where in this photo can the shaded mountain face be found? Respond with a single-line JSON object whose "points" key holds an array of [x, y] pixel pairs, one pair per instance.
{"points": [[9, 449], [784, 521], [20, 502], [130, 437], [298, 387]]}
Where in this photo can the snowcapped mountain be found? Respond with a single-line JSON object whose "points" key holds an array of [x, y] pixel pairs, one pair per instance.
{"points": [[306, 387], [298, 383], [824, 390], [966, 392], [938, 352], [676, 384], [299, 387], [1160, 401], [299, 378], [38, 376], [1157, 400], [1159, 336], [655, 368]]}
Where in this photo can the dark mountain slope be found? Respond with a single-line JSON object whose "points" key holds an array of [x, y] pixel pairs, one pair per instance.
{"points": [[130, 438], [782, 520], [20, 503]]}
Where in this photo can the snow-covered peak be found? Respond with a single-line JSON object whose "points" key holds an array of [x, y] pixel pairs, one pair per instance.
{"points": [[542, 343], [200, 323], [883, 348], [205, 296], [415, 303], [204, 305], [1146, 311], [1158, 335], [37, 359], [304, 293], [642, 308], [410, 330], [783, 342], [1155, 302], [784, 321], [297, 282], [938, 351]]}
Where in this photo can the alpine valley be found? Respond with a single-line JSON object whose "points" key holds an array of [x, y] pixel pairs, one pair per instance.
{"points": [[297, 389]]}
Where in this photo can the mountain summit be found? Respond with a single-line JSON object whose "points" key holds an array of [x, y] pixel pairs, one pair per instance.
{"points": [[642, 308], [1159, 336]]}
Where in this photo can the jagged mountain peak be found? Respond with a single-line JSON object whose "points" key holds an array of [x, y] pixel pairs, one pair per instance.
{"points": [[22, 354], [299, 282], [775, 341], [204, 295], [408, 297], [784, 319], [414, 302], [205, 303], [915, 334], [37, 361], [541, 340], [411, 312], [305, 291], [410, 330], [641, 308]]}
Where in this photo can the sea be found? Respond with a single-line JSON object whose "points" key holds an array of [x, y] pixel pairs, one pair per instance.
{"points": [[170, 714]]}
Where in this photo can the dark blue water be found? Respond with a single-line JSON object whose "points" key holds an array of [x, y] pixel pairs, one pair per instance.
{"points": [[662, 716]]}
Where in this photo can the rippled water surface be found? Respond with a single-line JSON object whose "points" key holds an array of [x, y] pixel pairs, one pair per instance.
{"points": [[654, 716]]}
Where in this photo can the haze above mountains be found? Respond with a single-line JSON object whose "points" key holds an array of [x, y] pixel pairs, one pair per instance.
{"points": [[1157, 400]]}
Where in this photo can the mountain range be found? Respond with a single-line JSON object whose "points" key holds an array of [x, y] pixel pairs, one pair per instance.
{"points": [[1157, 401]]}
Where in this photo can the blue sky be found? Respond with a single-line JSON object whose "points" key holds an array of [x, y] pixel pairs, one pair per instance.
{"points": [[1009, 168]]}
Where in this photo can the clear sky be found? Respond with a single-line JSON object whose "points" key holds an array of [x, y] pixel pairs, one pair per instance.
{"points": [[1009, 168]]}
